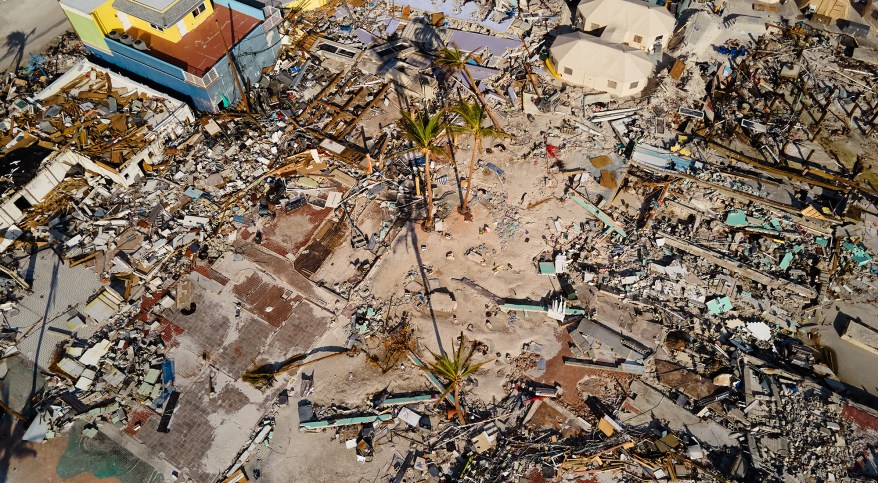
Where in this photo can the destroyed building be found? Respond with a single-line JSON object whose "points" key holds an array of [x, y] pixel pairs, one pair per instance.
{"points": [[92, 119], [206, 51], [417, 254], [825, 11], [870, 13]]}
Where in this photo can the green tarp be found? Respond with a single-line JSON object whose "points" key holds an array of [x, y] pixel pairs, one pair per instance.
{"points": [[719, 305]]}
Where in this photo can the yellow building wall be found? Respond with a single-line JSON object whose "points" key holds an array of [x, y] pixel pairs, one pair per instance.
{"points": [[106, 20], [190, 21], [307, 4], [105, 17], [171, 33]]}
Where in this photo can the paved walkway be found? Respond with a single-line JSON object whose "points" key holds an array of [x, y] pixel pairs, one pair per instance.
{"points": [[27, 26]]}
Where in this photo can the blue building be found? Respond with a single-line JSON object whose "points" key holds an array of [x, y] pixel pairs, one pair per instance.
{"points": [[184, 45]]}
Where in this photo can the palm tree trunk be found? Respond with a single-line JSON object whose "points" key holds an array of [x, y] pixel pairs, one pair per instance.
{"points": [[472, 84], [457, 404], [477, 148], [428, 192], [452, 145]]}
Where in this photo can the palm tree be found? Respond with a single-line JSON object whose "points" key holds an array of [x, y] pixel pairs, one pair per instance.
{"points": [[455, 369], [455, 60], [471, 116], [423, 130]]}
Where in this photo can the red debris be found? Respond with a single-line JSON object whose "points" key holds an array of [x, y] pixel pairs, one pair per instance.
{"points": [[139, 414]]}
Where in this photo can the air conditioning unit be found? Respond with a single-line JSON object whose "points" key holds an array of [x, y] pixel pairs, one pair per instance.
{"points": [[116, 34], [140, 45], [126, 39]]}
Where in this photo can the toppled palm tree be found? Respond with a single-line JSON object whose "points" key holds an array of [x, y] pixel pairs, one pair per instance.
{"points": [[264, 376], [471, 116], [454, 369], [455, 60], [423, 131]]}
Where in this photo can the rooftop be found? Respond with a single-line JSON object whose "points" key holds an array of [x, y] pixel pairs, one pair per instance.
{"points": [[163, 13], [202, 48]]}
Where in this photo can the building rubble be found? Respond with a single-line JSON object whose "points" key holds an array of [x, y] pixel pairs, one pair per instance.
{"points": [[674, 285]]}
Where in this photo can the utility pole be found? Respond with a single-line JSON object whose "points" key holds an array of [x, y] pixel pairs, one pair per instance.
{"points": [[234, 69]]}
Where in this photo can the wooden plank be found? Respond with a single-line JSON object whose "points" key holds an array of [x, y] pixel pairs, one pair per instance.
{"points": [[351, 125], [320, 97], [346, 107], [736, 267]]}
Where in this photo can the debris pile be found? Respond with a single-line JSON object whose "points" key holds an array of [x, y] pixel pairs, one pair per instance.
{"points": [[528, 278]]}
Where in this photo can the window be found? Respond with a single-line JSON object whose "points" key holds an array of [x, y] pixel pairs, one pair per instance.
{"points": [[156, 27], [638, 39], [22, 204], [568, 71], [611, 84], [634, 85], [198, 10]]}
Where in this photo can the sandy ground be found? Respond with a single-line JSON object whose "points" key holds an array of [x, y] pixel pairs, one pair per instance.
{"points": [[346, 381], [509, 271], [27, 26]]}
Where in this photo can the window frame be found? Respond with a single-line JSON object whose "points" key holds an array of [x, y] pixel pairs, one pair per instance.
{"points": [[199, 10]]}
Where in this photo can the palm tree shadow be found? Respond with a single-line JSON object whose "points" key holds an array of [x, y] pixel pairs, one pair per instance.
{"points": [[50, 302], [15, 45], [414, 237], [427, 35]]}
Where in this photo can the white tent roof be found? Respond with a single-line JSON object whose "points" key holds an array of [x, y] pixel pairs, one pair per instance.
{"points": [[635, 16], [584, 52]]}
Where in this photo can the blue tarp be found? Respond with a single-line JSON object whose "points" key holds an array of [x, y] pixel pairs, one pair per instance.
{"points": [[168, 372]]}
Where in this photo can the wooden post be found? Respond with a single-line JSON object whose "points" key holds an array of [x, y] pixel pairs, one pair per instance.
{"points": [[233, 67], [873, 120], [825, 109]]}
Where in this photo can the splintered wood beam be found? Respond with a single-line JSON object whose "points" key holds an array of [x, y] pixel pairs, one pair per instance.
{"points": [[343, 111], [353, 123], [319, 97]]}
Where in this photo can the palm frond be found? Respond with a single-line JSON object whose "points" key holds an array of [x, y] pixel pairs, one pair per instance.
{"points": [[456, 366], [492, 132], [470, 116], [452, 58], [421, 128]]}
